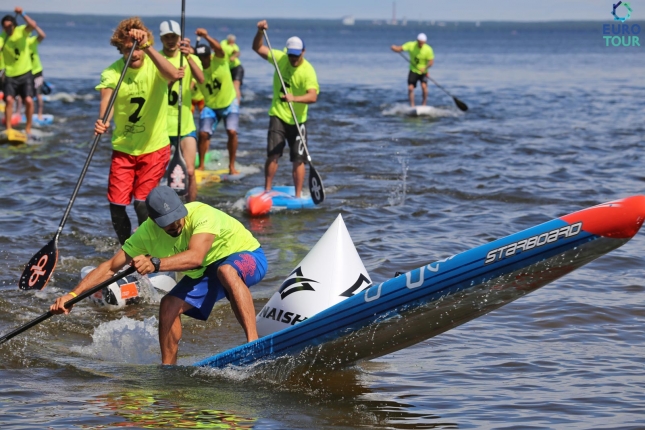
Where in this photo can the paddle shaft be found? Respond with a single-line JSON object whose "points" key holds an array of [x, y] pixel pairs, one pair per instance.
{"points": [[284, 88], [181, 81], [69, 303], [97, 138]]}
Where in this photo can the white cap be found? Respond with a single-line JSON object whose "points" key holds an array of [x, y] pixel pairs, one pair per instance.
{"points": [[295, 45], [168, 27], [422, 37]]}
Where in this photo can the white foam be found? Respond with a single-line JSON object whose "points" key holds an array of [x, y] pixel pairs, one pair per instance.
{"points": [[124, 341], [402, 109]]}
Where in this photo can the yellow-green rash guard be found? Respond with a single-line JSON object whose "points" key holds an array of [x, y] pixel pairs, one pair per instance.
{"points": [[140, 108], [187, 121], [36, 65], [230, 237], [419, 57], [218, 89], [298, 81], [229, 50], [16, 54]]}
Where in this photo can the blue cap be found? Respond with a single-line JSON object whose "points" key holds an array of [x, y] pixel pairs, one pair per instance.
{"points": [[165, 206]]}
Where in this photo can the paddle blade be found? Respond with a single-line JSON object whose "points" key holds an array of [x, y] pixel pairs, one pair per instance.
{"points": [[259, 204], [178, 173], [316, 187], [461, 105], [40, 267]]}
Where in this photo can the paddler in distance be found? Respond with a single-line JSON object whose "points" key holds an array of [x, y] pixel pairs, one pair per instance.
{"points": [[302, 85], [218, 255], [421, 59]]}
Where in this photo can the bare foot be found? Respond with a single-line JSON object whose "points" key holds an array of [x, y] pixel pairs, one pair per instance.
{"points": [[201, 167], [232, 170]]}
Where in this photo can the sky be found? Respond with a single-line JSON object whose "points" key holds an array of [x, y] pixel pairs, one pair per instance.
{"points": [[413, 10]]}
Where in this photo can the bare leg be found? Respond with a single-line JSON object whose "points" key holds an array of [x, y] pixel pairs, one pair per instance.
{"points": [[231, 145], [236, 84], [270, 169], [29, 111], [170, 312], [424, 88], [411, 94], [204, 143], [188, 150], [8, 111], [40, 106], [241, 300], [298, 177]]}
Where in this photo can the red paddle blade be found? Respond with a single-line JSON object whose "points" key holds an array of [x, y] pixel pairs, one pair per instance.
{"points": [[259, 204], [40, 268]]}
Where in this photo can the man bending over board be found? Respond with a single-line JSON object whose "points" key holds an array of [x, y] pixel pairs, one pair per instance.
{"points": [[219, 257]]}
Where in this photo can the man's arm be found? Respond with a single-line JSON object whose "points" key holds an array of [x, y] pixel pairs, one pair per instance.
{"points": [[396, 48], [99, 126], [169, 72], [103, 272], [258, 40], [186, 50], [31, 24], [422, 70], [214, 43], [191, 258], [309, 98]]}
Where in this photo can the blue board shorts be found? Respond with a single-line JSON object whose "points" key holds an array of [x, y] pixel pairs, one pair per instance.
{"points": [[173, 139], [209, 118], [203, 292]]}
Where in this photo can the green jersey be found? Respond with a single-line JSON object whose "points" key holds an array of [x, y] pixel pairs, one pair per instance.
{"points": [[36, 65], [298, 81], [140, 108], [187, 121], [15, 51], [419, 57], [230, 237], [218, 89], [229, 50]]}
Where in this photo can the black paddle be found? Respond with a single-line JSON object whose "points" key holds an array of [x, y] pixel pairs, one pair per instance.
{"points": [[177, 169], [316, 187], [42, 264], [75, 300], [461, 105]]}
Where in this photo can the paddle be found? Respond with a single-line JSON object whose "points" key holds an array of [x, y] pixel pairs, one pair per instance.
{"points": [[42, 264], [316, 187], [461, 105], [177, 169], [75, 300]]}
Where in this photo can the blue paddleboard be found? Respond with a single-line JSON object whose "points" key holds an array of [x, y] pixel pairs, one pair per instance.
{"points": [[260, 202], [47, 119]]}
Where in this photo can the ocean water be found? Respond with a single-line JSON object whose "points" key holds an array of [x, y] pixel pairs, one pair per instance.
{"points": [[555, 125]]}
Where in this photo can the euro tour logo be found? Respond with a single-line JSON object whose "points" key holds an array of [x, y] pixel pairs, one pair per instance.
{"points": [[621, 34]]}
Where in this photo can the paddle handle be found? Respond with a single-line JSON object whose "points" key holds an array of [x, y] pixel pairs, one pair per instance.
{"points": [[69, 303], [284, 88], [97, 138]]}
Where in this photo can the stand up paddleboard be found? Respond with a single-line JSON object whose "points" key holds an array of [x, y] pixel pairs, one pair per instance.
{"points": [[427, 301], [217, 169], [129, 290], [261, 202], [47, 119], [421, 111], [12, 136]]}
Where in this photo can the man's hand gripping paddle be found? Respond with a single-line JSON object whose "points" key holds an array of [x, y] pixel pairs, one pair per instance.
{"points": [[316, 187], [42, 264]]}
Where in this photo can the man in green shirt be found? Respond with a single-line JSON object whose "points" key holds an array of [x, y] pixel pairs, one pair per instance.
{"points": [[170, 32], [421, 59], [219, 257], [302, 86], [220, 100], [17, 59], [237, 71]]}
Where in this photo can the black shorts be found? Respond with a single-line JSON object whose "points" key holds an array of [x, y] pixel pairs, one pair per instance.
{"points": [[237, 73], [413, 78], [281, 132], [38, 82], [22, 86]]}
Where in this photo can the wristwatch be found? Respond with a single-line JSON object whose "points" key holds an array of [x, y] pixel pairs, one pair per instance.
{"points": [[155, 262]]}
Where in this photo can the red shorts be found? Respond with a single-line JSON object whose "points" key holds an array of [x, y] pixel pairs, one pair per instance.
{"points": [[135, 175]]}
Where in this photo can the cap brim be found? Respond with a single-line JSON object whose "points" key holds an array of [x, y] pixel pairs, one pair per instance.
{"points": [[169, 218], [294, 52]]}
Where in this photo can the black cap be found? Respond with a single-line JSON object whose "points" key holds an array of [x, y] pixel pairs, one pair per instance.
{"points": [[202, 50], [164, 206], [9, 18]]}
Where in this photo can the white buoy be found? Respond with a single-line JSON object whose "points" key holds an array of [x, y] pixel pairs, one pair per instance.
{"points": [[330, 273]]}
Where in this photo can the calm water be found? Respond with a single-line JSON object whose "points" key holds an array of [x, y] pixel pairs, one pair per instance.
{"points": [[555, 125]]}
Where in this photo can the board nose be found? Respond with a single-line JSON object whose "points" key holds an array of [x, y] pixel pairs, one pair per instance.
{"points": [[619, 219]]}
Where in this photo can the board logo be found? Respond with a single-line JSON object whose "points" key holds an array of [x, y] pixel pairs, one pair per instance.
{"points": [[296, 283], [38, 270]]}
